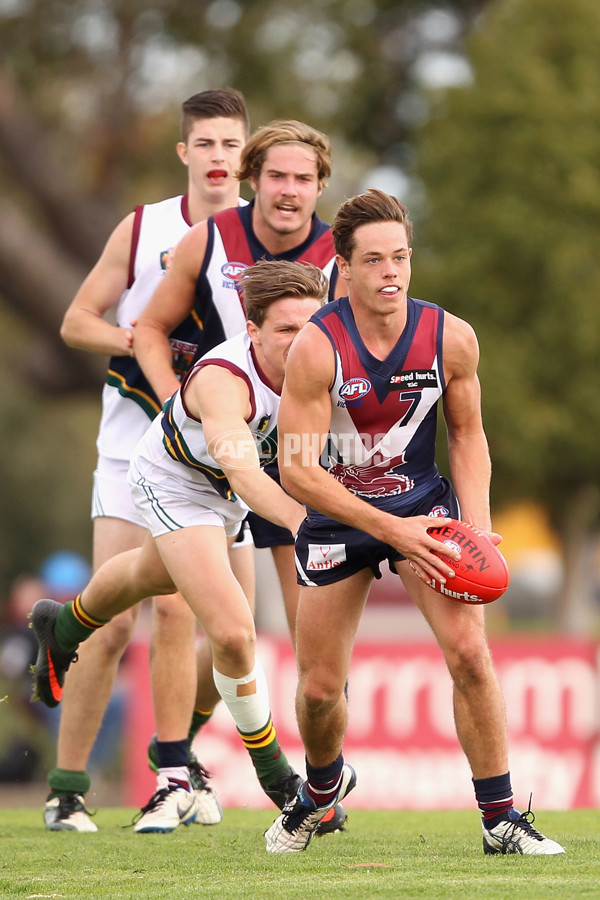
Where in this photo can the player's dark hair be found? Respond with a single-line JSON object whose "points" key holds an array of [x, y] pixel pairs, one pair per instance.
{"points": [[284, 132], [224, 103], [269, 280], [372, 206]]}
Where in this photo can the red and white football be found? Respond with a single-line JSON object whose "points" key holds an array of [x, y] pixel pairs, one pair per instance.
{"points": [[481, 573]]}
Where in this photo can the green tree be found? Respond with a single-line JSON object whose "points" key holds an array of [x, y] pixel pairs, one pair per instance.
{"points": [[511, 169], [89, 104], [89, 100]]}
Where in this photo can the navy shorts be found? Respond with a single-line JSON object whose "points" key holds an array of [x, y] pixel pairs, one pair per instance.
{"points": [[244, 537], [268, 534], [265, 533], [328, 551]]}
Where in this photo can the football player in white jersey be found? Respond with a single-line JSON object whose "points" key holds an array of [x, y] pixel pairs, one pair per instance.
{"points": [[214, 130], [194, 475], [287, 163]]}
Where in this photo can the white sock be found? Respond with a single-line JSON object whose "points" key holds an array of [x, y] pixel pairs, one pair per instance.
{"points": [[247, 698], [179, 774]]}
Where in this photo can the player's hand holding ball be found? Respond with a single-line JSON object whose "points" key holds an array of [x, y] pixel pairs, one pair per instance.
{"points": [[480, 574]]}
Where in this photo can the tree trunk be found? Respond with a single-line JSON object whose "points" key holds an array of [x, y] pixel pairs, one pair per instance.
{"points": [[38, 282], [577, 611]]}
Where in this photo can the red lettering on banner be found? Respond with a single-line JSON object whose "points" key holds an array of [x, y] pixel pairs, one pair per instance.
{"points": [[401, 737]]}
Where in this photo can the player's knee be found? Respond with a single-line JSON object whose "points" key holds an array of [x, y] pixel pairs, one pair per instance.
{"points": [[470, 663], [320, 693], [236, 644], [172, 613]]}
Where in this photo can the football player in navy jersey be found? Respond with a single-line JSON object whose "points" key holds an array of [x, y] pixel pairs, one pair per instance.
{"points": [[287, 164], [357, 447]]}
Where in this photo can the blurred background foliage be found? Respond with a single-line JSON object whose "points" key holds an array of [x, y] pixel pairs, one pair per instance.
{"points": [[482, 115], [510, 169]]}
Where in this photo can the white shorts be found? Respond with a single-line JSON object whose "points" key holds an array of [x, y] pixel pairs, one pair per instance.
{"points": [[168, 504], [111, 494]]}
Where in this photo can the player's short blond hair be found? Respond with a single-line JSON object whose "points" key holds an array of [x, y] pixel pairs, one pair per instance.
{"points": [[284, 132]]}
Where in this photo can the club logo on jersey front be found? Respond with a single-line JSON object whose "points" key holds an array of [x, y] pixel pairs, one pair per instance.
{"points": [[378, 480], [183, 353], [354, 391], [165, 259], [232, 272]]}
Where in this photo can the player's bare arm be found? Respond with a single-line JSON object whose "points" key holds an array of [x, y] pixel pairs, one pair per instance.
{"points": [[304, 419], [470, 465], [83, 326], [221, 401], [172, 301]]}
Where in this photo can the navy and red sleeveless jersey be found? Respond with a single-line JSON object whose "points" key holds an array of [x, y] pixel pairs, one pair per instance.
{"points": [[384, 412], [232, 247]]}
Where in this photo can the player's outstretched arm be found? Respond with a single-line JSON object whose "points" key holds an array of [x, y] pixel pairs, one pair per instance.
{"points": [[83, 326], [304, 420], [221, 401], [171, 303], [469, 456]]}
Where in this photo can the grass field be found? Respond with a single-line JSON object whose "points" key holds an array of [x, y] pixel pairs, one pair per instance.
{"points": [[382, 854]]}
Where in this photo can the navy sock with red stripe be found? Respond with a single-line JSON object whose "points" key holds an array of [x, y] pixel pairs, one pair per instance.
{"points": [[323, 782], [494, 797], [172, 758]]}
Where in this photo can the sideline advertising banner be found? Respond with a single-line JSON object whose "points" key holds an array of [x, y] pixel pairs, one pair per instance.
{"points": [[401, 738]]}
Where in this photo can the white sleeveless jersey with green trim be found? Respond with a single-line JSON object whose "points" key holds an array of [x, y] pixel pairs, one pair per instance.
{"points": [[175, 444], [158, 228]]}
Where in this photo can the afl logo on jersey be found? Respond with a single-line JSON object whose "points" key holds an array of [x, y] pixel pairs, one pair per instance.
{"points": [[232, 272], [439, 512], [354, 389]]}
